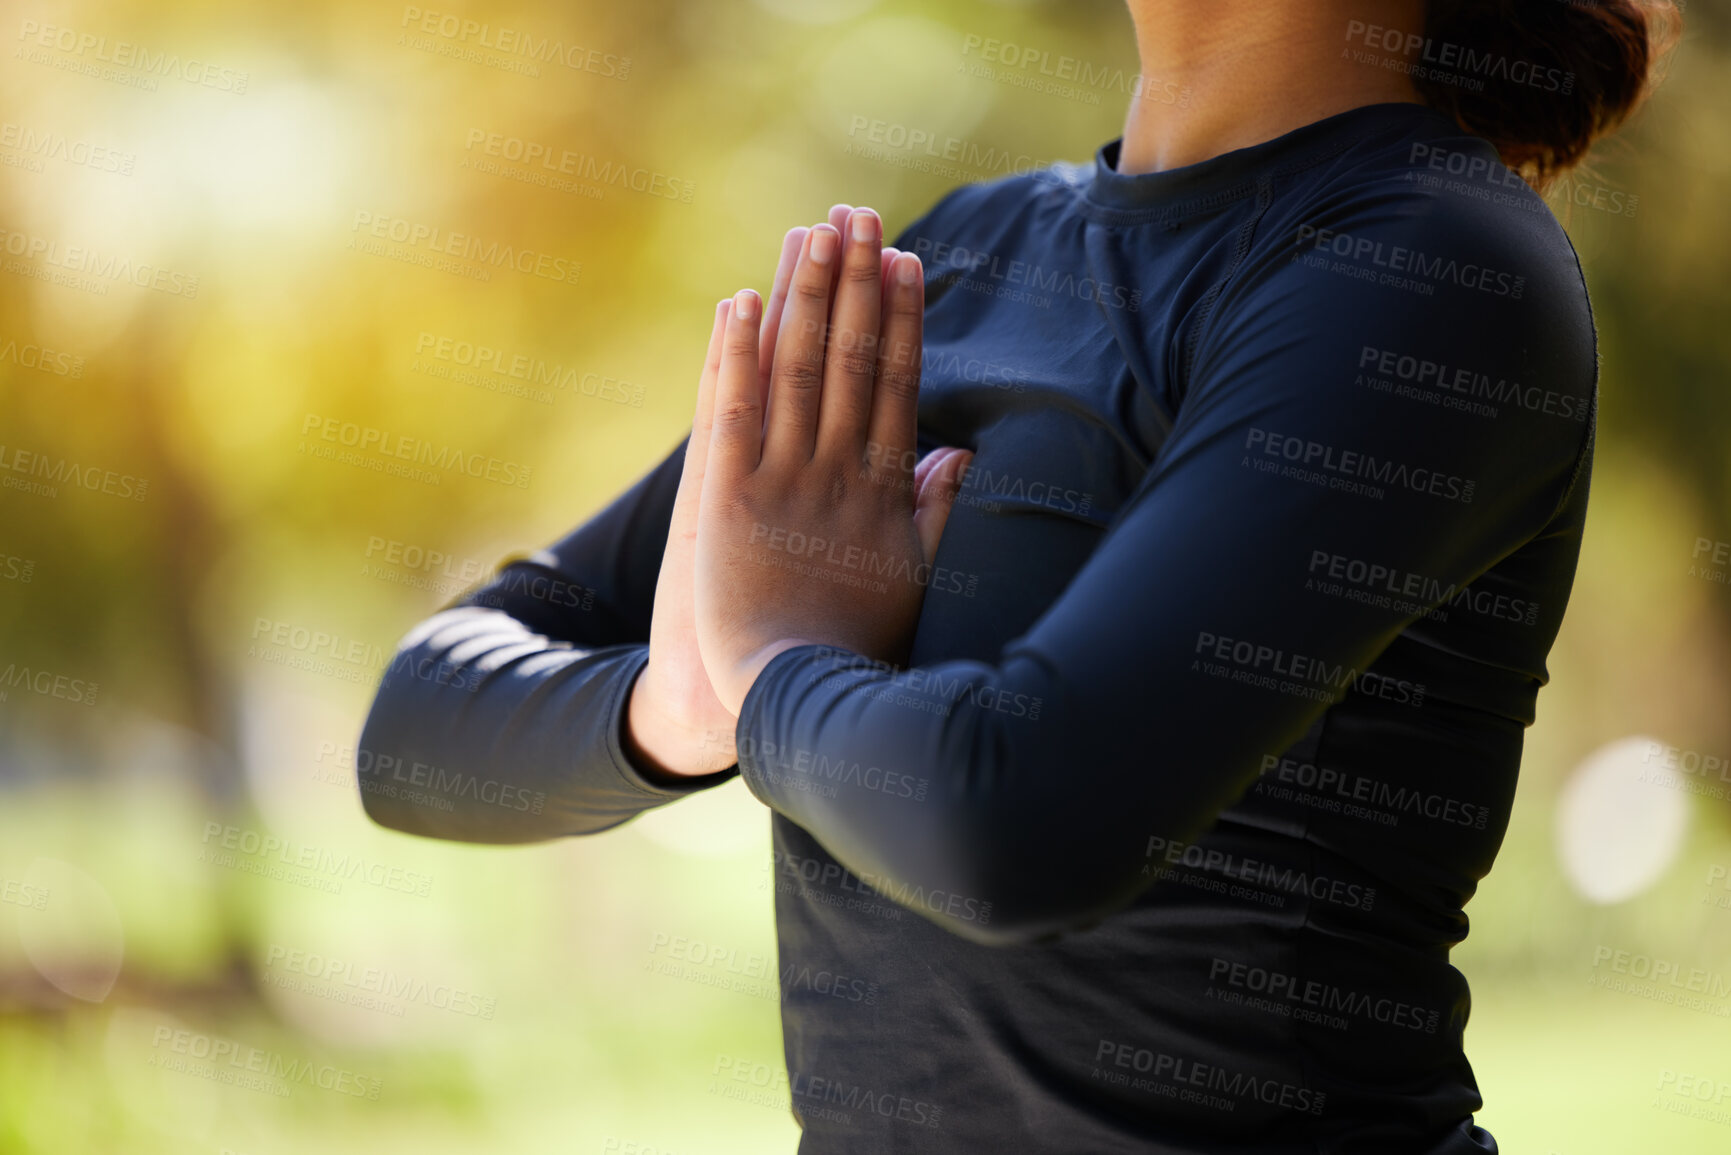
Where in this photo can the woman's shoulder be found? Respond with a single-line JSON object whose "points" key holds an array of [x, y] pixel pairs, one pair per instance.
{"points": [[990, 213], [1432, 209], [1453, 300]]}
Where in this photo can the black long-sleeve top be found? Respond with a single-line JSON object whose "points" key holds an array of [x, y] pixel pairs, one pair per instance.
{"points": [[1215, 708]]}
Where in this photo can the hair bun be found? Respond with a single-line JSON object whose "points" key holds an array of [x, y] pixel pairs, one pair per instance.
{"points": [[1542, 79]]}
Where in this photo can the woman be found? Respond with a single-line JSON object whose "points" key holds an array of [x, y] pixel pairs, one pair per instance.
{"points": [[1258, 452]]}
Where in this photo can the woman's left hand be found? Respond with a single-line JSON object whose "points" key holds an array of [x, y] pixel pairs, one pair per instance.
{"points": [[815, 525]]}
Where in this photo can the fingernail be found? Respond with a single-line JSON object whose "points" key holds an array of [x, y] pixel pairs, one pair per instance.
{"points": [[823, 242], [908, 269], [745, 302], [865, 226]]}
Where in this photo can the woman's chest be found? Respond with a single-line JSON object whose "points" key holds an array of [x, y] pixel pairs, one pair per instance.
{"points": [[1063, 426]]}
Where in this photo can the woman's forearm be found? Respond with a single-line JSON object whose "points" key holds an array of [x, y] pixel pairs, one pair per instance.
{"points": [[658, 738], [503, 718], [484, 731]]}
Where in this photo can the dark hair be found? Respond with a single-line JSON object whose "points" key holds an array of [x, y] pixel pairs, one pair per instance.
{"points": [[1543, 79]]}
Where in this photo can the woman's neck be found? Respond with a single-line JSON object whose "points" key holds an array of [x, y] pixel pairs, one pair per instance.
{"points": [[1226, 74]]}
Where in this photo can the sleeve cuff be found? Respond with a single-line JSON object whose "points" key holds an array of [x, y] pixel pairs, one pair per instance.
{"points": [[633, 778], [749, 736]]}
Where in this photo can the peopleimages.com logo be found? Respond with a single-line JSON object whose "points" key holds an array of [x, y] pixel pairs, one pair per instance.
{"points": [[1451, 63]]}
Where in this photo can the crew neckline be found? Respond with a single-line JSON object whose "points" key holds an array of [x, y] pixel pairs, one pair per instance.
{"points": [[1233, 173]]}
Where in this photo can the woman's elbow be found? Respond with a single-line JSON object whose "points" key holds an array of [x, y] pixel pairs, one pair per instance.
{"points": [[399, 782], [377, 753]]}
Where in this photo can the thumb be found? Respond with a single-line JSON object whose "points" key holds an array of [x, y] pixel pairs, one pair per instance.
{"points": [[702, 425], [936, 494]]}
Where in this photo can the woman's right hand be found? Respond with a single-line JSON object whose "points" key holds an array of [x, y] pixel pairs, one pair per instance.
{"points": [[675, 725]]}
